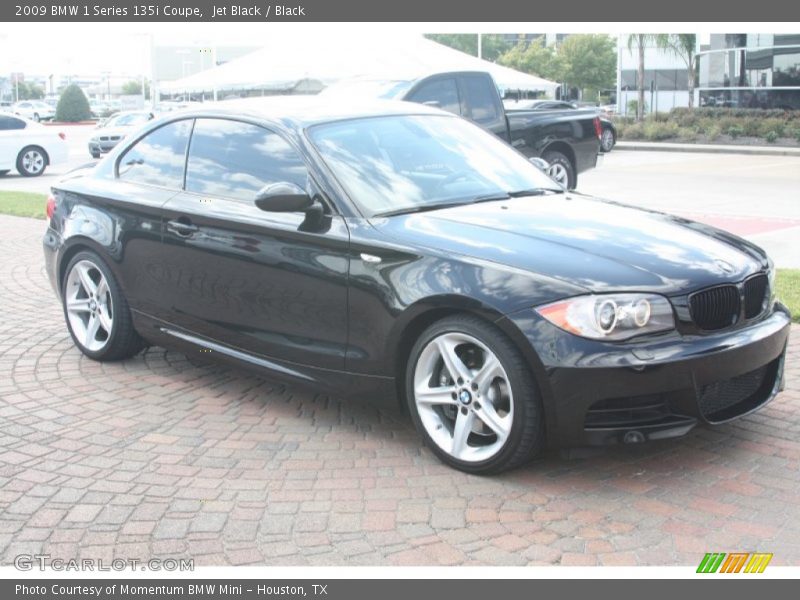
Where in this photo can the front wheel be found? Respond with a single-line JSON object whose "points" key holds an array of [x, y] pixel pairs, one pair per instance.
{"points": [[31, 161], [472, 397], [561, 169], [97, 314]]}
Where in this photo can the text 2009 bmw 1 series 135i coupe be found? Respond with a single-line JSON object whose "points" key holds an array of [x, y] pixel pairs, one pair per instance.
{"points": [[395, 247]]}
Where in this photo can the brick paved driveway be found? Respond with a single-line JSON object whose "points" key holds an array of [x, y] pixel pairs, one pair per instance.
{"points": [[157, 457]]}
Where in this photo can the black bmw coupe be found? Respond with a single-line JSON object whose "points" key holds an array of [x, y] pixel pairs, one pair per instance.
{"points": [[395, 248]]}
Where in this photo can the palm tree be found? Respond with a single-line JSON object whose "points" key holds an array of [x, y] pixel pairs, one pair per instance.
{"points": [[682, 45], [640, 41]]}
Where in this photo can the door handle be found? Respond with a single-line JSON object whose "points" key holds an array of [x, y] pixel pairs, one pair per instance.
{"points": [[182, 227]]}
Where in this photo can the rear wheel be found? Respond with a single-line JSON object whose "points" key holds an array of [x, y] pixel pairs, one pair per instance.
{"points": [[561, 169], [31, 161], [4, 172], [95, 155], [36, 117], [472, 397], [97, 314], [607, 140]]}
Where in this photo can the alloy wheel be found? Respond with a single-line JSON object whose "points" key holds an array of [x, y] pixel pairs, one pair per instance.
{"points": [[33, 162], [559, 174], [463, 397], [607, 140], [89, 306]]}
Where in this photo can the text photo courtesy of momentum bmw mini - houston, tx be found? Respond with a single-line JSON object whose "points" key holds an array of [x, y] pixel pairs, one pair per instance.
{"points": [[506, 299]]}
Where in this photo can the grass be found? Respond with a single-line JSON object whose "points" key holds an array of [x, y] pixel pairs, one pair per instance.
{"points": [[788, 288], [23, 204]]}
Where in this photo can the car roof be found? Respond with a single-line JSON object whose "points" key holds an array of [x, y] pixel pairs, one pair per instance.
{"points": [[300, 112]]}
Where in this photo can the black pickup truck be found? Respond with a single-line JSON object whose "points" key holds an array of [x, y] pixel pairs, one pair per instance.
{"points": [[568, 140]]}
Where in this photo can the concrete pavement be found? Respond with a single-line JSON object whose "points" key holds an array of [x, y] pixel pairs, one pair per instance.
{"points": [[756, 197]]}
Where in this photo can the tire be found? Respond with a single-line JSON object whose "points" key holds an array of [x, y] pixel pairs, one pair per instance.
{"points": [[561, 169], [107, 311], [95, 155], [36, 117], [607, 139], [4, 172], [31, 161], [442, 406]]}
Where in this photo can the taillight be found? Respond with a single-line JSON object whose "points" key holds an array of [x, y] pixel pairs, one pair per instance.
{"points": [[62, 135], [598, 128], [51, 206]]}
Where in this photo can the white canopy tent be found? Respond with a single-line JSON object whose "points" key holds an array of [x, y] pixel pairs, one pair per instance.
{"points": [[297, 63]]}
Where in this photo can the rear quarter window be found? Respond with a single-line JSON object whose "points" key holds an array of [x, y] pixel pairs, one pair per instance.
{"points": [[11, 123], [159, 157]]}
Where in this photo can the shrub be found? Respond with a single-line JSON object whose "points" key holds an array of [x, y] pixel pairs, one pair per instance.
{"points": [[73, 105], [713, 132], [655, 131], [771, 125], [734, 131], [633, 131], [771, 136]]}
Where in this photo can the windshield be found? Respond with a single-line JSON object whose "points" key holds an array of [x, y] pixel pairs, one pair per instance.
{"points": [[129, 119], [411, 162]]}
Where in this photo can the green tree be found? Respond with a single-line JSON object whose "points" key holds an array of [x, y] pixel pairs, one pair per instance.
{"points": [[134, 88], [589, 62], [492, 45], [535, 58], [73, 105], [684, 46], [28, 91]]}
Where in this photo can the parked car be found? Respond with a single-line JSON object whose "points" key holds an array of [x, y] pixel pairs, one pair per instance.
{"points": [[35, 110], [608, 137], [569, 142], [109, 132], [396, 246], [29, 147]]}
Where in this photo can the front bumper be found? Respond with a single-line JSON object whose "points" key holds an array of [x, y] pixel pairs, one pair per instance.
{"points": [[599, 393]]}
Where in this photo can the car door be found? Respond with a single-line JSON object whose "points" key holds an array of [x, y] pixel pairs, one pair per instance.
{"points": [[10, 140], [128, 206], [255, 281]]}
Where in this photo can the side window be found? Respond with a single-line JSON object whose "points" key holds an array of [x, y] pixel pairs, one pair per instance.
{"points": [[235, 160], [482, 99], [442, 91], [159, 157], [8, 123]]}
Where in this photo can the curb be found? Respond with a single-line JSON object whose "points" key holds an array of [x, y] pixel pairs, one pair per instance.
{"points": [[708, 148]]}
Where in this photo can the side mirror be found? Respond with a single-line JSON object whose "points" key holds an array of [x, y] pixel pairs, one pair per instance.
{"points": [[539, 163], [283, 197]]}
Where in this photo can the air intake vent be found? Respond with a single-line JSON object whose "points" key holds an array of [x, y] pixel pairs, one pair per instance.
{"points": [[716, 307], [755, 290]]}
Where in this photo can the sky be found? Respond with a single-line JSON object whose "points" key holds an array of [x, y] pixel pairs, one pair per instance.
{"points": [[123, 48]]}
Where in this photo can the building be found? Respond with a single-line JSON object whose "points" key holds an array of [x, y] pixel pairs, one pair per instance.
{"points": [[759, 70], [665, 79], [749, 70]]}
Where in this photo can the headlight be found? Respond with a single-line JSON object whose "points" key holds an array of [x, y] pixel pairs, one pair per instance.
{"points": [[610, 316]]}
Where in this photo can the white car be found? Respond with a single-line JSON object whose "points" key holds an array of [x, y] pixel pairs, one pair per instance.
{"points": [[35, 110], [29, 147]]}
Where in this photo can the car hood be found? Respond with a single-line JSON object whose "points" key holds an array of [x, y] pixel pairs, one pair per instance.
{"points": [[595, 244]]}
